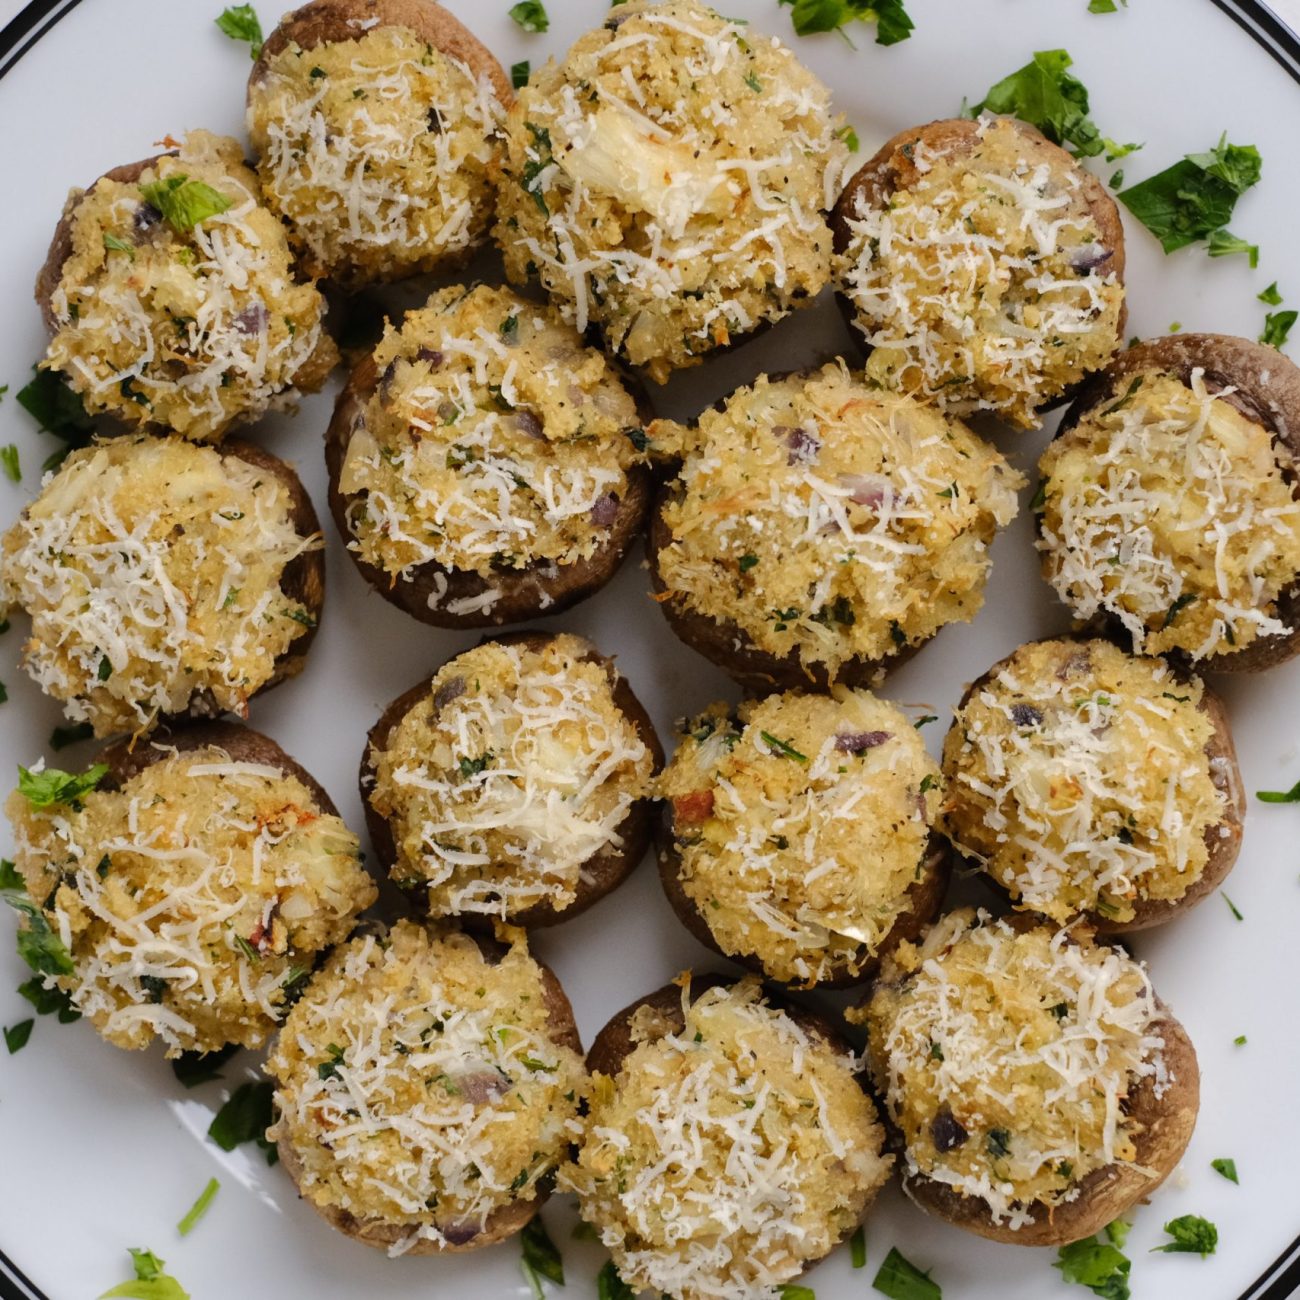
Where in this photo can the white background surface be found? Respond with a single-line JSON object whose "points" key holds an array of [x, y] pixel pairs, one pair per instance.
{"points": [[101, 1149]]}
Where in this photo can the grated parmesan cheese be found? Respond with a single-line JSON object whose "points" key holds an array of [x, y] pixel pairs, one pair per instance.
{"points": [[493, 441], [193, 331], [376, 151], [192, 899], [668, 182], [829, 519], [151, 569], [1078, 777], [511, 773], [421, 1087], [981, 285], [801, 860], [1005, 1059], [725, 1157], [1170, 511]]}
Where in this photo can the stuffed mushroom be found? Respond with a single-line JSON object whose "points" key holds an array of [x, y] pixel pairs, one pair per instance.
{"points": [[181, 892], [164, 578], [982, 267], [375, 122], [668, 182], [485, 466], [729, 1142], [1168, 507], [427, 1086], [170, 293], [797, 835], [1036, 1085], [1084, 780], [515, 783], [821, 530]]}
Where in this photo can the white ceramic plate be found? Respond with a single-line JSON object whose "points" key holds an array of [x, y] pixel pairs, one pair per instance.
{"points": [[102, 1149]]}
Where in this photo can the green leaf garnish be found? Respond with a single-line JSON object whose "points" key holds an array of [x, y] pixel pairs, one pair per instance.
{"points": [[1270, 295], [609, 1286], [1099, 1265], [49, 1001], [1277, 325], [858, 1247], [194, 1068], [9, 460], [541, 1256], [519, 73], [1196, 196], [1226, 1167], [49, 786], [1191, 1235], [900, 1279], [893, 24], [1232, 907], [199, 1208], [1223, 243], [240, 23], [62, 737], [245, 1118], [184, 203], [1044, 94], [782, 747], [150, 1282], [530, 15], [50, 401], [16, 1036]]}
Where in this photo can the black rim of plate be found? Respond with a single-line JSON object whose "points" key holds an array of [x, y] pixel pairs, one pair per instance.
{"points": [[1281, 1278]]}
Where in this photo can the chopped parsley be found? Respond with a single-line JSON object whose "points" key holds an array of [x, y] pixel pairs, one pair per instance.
{"points": [[301, 616], [519, 73], [1277, 325], [782, 747], [541, 1256], [1270, 295], [329, 1068], [184, 203], [900, 1279], [1178, 606], [1191, 1235], [1194, 199], [9, 459], [530, 15], [850, 138], [49, 1001], [858, 1247], [609, 1286], [1223, 243], [1279, 796], [115, 245], [245, 1118], [1232, 907], [48, 787], [1098, 1264], [194, 1068], [747, 562], [58, 410], [241, 23], [534, 167], [199, 1208], [793, 1291], [473, 766], [150, 1282], [893, 24], [62, 737], [1044, 94], [1239, 1041], [16, 1036], [1227, 1168], [1105, 6], [998, 1143]]}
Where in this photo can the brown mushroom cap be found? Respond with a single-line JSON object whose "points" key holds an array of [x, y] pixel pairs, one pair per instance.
{"points": [[1267, 391], [601, 873], [501, 1223]]}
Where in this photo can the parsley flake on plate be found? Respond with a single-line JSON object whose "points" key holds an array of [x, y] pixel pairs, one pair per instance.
{"points": [[240, 23], [1192, 1235], [893, 23]]}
